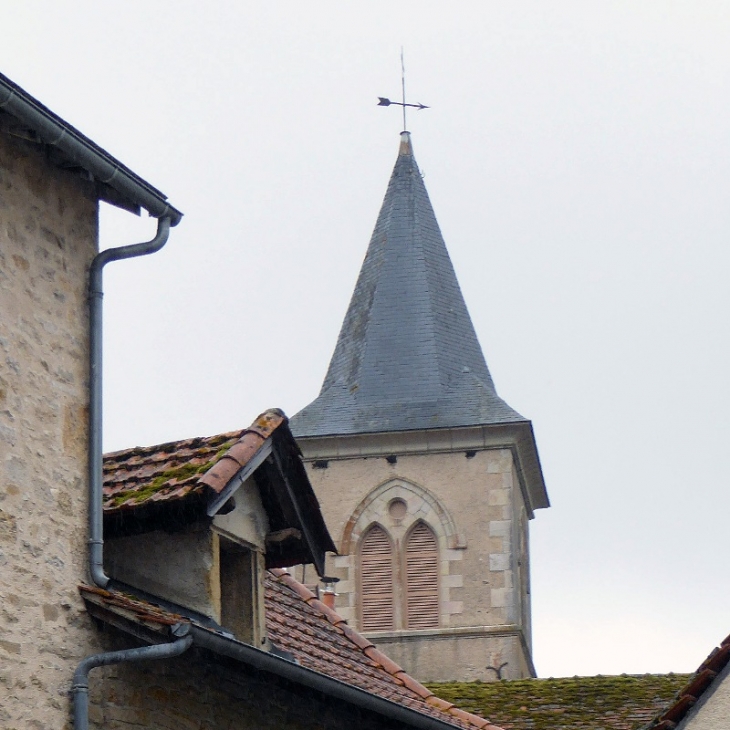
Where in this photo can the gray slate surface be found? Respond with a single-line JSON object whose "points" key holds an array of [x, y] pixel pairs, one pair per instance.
{"points": [[407, 356]]}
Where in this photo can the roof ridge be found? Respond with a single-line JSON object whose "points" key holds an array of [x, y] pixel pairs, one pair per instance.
{"points": [[259, 426], [698, 684], [375, 655], [241, 452], [168, 445]]}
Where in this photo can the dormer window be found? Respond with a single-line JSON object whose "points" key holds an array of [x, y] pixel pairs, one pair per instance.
{"points": [[242, 592], [197, 523]]}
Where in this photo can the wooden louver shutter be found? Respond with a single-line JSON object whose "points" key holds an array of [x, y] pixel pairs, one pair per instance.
{"points": [[422, 579], [376, 581]]}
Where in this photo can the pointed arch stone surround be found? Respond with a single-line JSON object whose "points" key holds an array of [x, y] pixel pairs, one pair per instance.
{"points": [[421, 505]]}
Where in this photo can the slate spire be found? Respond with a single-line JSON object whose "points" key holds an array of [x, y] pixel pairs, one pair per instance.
{"points": [[407, 356]]}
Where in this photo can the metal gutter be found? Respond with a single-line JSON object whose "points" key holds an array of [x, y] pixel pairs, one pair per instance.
{"points": [[80, 689], [80, 686], [266, 662], [54, 131]]}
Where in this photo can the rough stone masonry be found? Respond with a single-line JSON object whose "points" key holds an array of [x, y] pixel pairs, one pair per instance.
{"points": [[48, 234]]}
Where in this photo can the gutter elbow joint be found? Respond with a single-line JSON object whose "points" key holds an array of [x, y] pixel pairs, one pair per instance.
{"points": [[100, 578]]}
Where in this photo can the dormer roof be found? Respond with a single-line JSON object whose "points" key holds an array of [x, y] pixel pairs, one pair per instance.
{"points": [[181, 482], [407, 357]]}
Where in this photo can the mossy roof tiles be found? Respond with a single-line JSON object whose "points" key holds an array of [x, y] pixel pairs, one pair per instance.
{"points": [[165, 472], [178, 469], [626, 702]]}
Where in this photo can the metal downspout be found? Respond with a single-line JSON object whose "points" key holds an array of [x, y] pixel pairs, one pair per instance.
{"points": [[80, 687], [96, 517]]}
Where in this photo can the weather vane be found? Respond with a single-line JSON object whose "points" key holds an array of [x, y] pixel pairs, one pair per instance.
{"points": [[382, 101]]}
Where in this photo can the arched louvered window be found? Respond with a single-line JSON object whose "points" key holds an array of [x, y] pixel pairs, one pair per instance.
{"points": [[376, 581], [422, 578]]}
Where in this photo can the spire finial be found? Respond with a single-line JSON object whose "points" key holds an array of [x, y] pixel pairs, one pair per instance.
{"points": [[383, 101], [403, 87]]}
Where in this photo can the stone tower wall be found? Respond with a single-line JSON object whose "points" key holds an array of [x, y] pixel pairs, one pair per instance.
{"points": [[472, 500]]}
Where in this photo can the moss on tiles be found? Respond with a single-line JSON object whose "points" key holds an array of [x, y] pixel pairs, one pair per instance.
{"points": [[626, 702], [178, 473]]}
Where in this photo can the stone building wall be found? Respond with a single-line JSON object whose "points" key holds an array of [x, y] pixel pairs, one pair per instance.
{"points": [[193, 693], [472, 500], [48, 236]]}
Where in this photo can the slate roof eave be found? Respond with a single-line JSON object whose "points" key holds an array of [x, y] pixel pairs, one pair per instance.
{"points": [[327, 429], [332, 414]]}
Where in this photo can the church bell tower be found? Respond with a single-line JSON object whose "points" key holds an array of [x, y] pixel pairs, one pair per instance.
{"points": [[426, 477]]}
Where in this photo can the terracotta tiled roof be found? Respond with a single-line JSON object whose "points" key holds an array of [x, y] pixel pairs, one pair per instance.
{"points": [[250, 441], [318, 638], [182, 482], [181, 469], [143, 612], [626, 702], [698, 684]]}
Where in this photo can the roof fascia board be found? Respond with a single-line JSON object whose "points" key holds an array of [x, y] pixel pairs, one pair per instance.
{"points": [[55, 131], [316, 551]]}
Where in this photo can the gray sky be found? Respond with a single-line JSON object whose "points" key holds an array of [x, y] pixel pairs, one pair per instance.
{"points": [[578, 158]]}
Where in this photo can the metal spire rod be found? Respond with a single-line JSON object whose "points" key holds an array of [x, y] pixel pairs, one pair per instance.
{"points": [[383, 101], [403, 87]]}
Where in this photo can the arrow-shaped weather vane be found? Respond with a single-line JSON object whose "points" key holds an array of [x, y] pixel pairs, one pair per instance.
{"points": [[383, 101]]}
